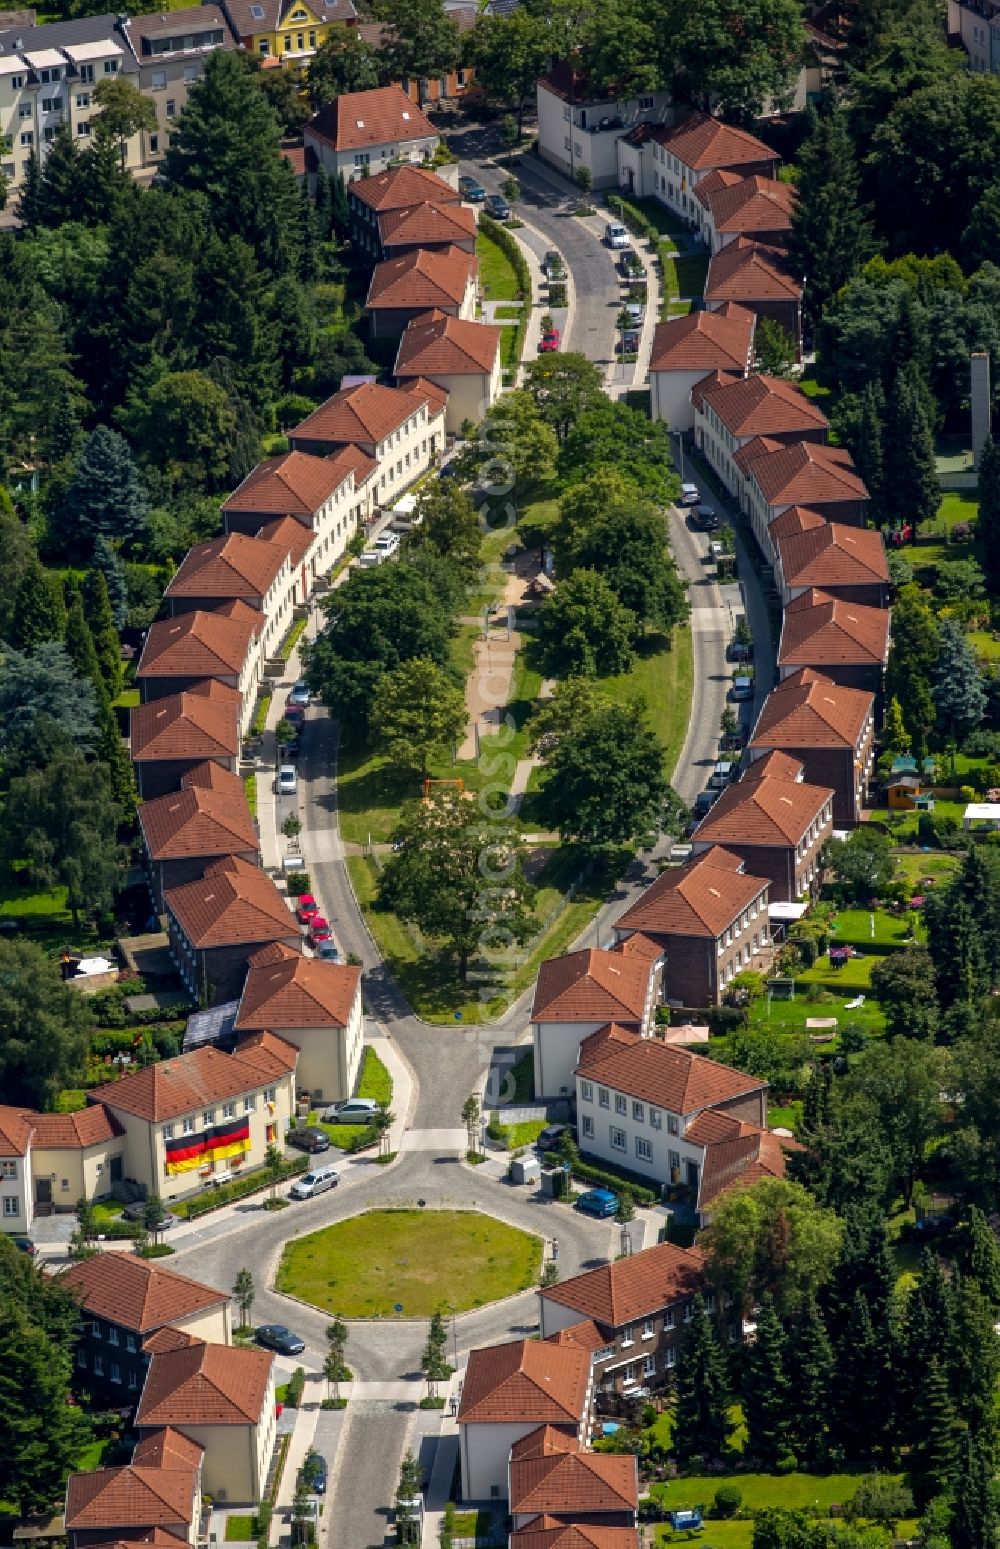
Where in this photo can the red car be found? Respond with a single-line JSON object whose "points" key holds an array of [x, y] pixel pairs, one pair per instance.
{"points": [[294, 714], [319, 930], [549, 341], [307, 909]]}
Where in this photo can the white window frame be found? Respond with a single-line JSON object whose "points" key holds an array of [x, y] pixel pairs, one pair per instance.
{"points": [[617, 1138]]}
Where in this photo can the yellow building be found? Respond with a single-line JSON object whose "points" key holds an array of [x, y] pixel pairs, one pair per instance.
{"points": [[286, 31]]}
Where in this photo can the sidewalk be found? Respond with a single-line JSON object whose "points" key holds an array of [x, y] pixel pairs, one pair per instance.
{"points": [[438, 1491], [302, 1440]]}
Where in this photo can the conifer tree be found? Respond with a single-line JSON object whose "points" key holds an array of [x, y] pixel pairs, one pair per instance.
{"points": [[62, 179], [895, 737], [80, 643], [340, 215], [988, 522], [928, 1332], [865, 1388], [701, 1424], [308, 223], [106, 560], [831, 234], [867, 450], [809, 1366], [910, 489], [323, 201], [39, 611], [975, 1523], [937, 1436], [97, 609], [975, 1363], [29, 203], [106, 494], [766, 1407], [982, 1256]]}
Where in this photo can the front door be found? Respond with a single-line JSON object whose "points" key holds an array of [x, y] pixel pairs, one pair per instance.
{"points": [[43, 1192], [692, 1177], [117, 1169]]}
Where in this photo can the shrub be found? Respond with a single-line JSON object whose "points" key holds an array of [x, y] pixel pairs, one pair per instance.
{"points": [[294, 1390], [728, 1500], [367, 1138], [155, 1250], [497, 1131], [240, 1188], [299, 883], [786, 1464], [586, 1173]]}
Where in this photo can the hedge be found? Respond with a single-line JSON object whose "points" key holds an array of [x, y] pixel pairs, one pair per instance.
{"points": [[641, 1193], [260, 715], [294, 1388], [509, 247], [240, 1188], [631, 216]]}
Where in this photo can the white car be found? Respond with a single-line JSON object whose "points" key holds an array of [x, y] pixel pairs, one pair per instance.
{"points": [[616, 236], [382, 549], [689, 495], [300, 695], [288, 780]]}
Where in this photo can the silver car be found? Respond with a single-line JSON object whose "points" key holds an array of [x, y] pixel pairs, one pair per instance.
{"points": [[355, 1110]]}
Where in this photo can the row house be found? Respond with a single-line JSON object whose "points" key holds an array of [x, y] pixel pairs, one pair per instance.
{"points": [[403, 288], [16, 1134], [170, 51], [846, 562], [365, 132], [458, 357], [672, 1117], [641, 1306], [401, 429], [154, 1499], [224, 644], [172, 736], [827, 728], [581, 126], [733, 207], [431, 228], [405, 188], [776, 822], [730, 411], [329, 499], [287, 31], [845, 640], [207, 819], [757, 276], [685, 350], [49, 1161], [807, 473], [684, 154], [552, 1478], [577, 993], [560, 1532], [215, 923], [708, 918], [316, 1007], [234, 568]]}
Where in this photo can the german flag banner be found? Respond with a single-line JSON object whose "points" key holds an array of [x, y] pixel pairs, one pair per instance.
{"points": [[216, 1144]]}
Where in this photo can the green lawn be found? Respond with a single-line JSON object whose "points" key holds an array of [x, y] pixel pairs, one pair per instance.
{"points": [[902, 828], [374, 1081], [525, 1133], [985, 644], [788, 1116], [760, 1490], [239, 1528], [418, 1260], [127, 699], [958, 505], [854, 927], [43, 909], [506, 314], [856, 975], [664, 676], [496, 272], [789, 1016], [919, 869]]}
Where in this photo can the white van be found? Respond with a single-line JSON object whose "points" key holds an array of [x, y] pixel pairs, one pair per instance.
{"points": [[315, 1182]]}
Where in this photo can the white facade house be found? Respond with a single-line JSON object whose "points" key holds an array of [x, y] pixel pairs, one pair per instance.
{"points": [[578, 128], [461, 358], [401, 428], [580, 992], [316, 1007], [16, 1212], [363, 133], [688, 349]]}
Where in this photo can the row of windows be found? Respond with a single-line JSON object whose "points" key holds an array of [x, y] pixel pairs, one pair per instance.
{"points": [[638, 1108], [114, 1370], [210, 1115], [158, 79], [130, 1339], [11, 1205]]}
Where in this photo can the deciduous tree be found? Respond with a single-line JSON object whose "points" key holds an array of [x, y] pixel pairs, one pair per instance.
{"points": [[564, 387], [731, 55], [604, 782], [421, 40], [510, 52], [418, 715], [124, 112], [44, 1027], [344, 62], [584, 629], [62, 821], [772, 1237], [906, 986]]}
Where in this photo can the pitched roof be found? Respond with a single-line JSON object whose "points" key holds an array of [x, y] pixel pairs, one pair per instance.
{"points": [[198, 644], [524, 1382], [269, 13], [293, 537], [707, 186], [402, 187], [545, 1442], [202, 722], [447, 346], [233, 904], [585, 1335], [810, 711], [205, 1385], [704, 341], [701, 898], [423, 225], [294, 484], [574, 1482], [232, 565], [15, 1132], [735, 1153], [199, 821], [777, 763], [701, 142], [548, 1532], [137, 1294], [833, 555], [747, 271], [141, 30], [188, 1082], [763, 405], [632, 1288], [360, 119], [422, 279], [591, 986], [820, 630], [168, 1448], [368, 412], [130, 1496], [770, 811], [663, 1074], [755, 204], [169, 1338], [295, 991], [804, 473], [793, 519], [90, 1126]]}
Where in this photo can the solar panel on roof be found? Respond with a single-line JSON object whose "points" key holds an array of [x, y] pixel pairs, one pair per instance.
{"points": [[212, 1026]]}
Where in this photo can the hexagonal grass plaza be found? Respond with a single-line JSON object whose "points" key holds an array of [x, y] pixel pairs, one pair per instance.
{"points": [[409, 1263]]}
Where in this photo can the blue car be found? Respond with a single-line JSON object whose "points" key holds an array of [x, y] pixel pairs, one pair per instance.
{"points": [[598, 1202]]}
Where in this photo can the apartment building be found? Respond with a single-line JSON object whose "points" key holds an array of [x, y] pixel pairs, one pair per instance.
{"points": [[313, 1005], [428, 228], [154, 1499], [170, 737], [366, 132], [170, 51], [579, 126], [829, 730], [329, 498], [756, 275], [234, 568], [776, 822], [182, 652], [457, 356], [400, 428], [16, 1202], [731, 410], [206, 819], [848, 642], [687, 349], [709, 920], [287, 32], [404, 288], [216, 923], [575, 995], [756, 207], [847, 563], [976, 24], [403, 188], [806, 473], [550, 1476], [684, 154]]}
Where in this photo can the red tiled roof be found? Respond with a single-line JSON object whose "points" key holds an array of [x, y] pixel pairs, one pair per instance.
{"points": [[169, 1338], [135, 1293], [833, 555], [361, 119], [736, 1153], [548, 1532], [591, 986], [189, 1082], [755, 204], [747, 271], [546, 1441], [632, 1288], [205, 1385], [290, 535], [820, 630], [422, 279], [197, 644], [663, 1074], [366, 413], [294, 484], [90, 1126], [763, 405], [585, 1335], [794, 519], [803, 474], [198, 821], [701, 898], [574, 1482], [167, 1448], [524, 1382], [130, 1497], [707, 186], [402, 187], [775, 763], [233, 904], [15, 1132], [810, 711], [767, 812], [701, 142], [447, 346], [202, 722], [704, 341], [230, 566], [424, 225], [710, 384], [293, 991]]}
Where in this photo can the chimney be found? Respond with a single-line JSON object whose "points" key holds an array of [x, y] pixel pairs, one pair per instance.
{"points": [[979, 399]]}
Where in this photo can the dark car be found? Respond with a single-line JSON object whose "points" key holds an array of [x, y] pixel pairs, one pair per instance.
{"points": [[550, 1137], [496, 206], [470, 188], [314, 1473], [137, 1211], [703, 802], [308, 1138], [275, 1336], [24, 1245], [739, 652], [706, 517]]}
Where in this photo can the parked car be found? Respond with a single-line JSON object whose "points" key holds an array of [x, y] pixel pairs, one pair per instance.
{"points": [[317, 1181], [628, 344], [383, 548], [635, 311], [550, 1137], [290, 750], [616, 236], [739, 651], [470, 188], [294, 715], [706, 517], [496, 207], [300, 695], [24, 1245], [319, 930], [136, 1212], [308, 1137], [314, 1473], [327, 952], [307, 909], [216, 1181], [553, 264], [598, 1202], [288, 780], [690, 495], [275, 1336], [549, 342], [723, 774], [353, 1110], [742, 688]]}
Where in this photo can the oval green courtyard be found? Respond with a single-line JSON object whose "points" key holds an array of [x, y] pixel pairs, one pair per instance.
{"points": [[414, 1260]]}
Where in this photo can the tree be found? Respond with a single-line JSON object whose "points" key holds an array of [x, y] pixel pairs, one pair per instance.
{"points": [[106, 494], [152, 1215], [564, 387], [958, 693], [625, 541], [185, 425], [105, 622], [39, 613], [766, 1407], [934, 1453], [830, 236], [810, 1371], [975, 1522], [612, 438], [515, 449], [862, 864], [626, 1207], [584, 629], [459, 876], [244, 1292], [510, 52], [572, 703], [864, 1397], [471, 1113], [988, 522], [913, 657], [733, 56], [80, 644], [879, 1498], [895, 737], [981, 1260], [124, 112], [343, 63], [40, 688], [411, 1482], [418, 715], [335, 1368], [604, 782], [701, 1417], [903, 1082], [42, 1449], [906, 985], [774, 348], [421, 40], [910, 490], [772, 1237], [29, 211], [100, 622], [16, 554], [59, 188], [62, 821], [433, 1363], [450, 524]]}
